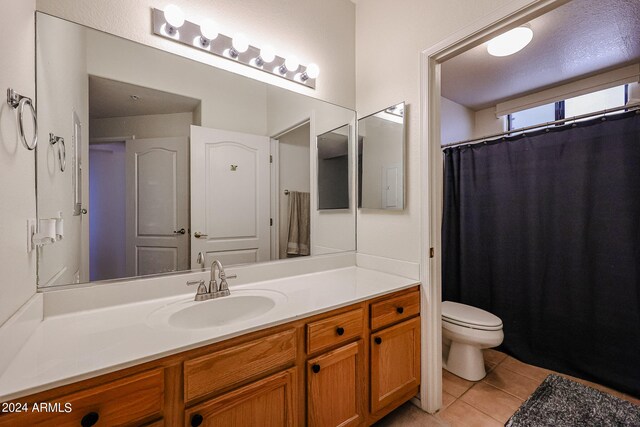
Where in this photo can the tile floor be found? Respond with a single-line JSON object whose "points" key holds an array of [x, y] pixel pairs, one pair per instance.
{"points": [[489, 402]]}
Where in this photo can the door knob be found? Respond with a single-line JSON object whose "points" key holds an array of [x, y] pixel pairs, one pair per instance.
{"points": [[198, 235], [181, 231]]}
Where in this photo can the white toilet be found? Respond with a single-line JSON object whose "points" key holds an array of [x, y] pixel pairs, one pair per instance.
{"points": [[466, 330]]}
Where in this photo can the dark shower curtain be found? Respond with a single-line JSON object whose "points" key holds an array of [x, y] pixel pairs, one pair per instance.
{"points": [[543, 230]]}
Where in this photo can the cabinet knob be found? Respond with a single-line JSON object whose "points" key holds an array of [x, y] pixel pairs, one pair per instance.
{"points": [[400, 310], [196, 420], [340, 331], [378, 340], [90, 419], [315, 368]]}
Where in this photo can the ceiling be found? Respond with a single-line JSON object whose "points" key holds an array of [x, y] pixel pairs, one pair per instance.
{"points": [[111, 98], [578, 39]]}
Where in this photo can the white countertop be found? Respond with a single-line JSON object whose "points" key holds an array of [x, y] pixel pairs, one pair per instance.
{"points": [[72, 347]]}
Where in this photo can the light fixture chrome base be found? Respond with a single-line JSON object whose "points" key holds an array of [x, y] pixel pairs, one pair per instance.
{"points": [[189, 34]]}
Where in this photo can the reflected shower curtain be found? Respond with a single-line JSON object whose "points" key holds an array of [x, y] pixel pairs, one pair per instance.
{"points": [[543, 230]]}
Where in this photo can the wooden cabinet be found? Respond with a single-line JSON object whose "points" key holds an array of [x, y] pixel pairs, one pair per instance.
{"points": [[335, 387], [133, 400], [329, 332], [346, 367], [395, 364], [395, 309], [268, 402], [232, 366]]}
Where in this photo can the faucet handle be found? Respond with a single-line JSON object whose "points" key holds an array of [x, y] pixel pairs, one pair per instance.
{"points": [[202, 288]]}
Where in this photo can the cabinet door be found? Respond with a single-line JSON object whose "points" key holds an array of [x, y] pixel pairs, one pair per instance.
{"points": [[335, 387], [267, 402], [395, 363]]}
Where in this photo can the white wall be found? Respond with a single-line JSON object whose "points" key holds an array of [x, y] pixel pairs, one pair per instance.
{"points": [[486, 123], [457, 121], [17, 170], [294, 152], [62, 89], [151, 126], [389, 38], [320, 31]]}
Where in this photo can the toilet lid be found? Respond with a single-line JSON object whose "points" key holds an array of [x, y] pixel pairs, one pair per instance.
{"points": [[466, 315]]}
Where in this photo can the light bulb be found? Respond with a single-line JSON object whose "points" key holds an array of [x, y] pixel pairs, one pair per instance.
{"points": [[510, 42], [313, 71], [292, 63], [209, 29], [267, 54], [174, 16], [240, 43]]}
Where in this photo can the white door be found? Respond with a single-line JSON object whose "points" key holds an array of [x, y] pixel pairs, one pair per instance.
{"points": [[157, 205], [230, 212], [391, 187]]}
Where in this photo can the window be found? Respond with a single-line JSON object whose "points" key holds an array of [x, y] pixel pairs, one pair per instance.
{"points": [[571, 107]]}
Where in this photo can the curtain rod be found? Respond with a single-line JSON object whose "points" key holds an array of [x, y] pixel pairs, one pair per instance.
{"points": [[482, 139]]}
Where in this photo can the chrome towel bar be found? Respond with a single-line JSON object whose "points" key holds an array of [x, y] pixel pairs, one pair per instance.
{"points": [[17, 101]]}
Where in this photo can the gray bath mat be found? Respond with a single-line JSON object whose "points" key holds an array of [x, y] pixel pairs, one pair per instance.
{"points": [[562, 402]]}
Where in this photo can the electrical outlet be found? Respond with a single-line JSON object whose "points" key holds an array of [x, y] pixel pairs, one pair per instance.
{"points": [[31, 230]]}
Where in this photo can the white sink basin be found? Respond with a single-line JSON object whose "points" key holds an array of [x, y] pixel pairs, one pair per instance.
{"points": [[240, 306]]}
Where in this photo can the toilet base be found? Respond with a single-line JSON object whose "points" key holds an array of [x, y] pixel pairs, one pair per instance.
{"points": [[466, 361]]}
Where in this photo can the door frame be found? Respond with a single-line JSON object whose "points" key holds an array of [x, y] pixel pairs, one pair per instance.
{"points": [[275, 183], [513, 14]]}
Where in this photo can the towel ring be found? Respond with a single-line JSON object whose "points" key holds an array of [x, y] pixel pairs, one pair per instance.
{"points": [[18, 102], [62, 150]]}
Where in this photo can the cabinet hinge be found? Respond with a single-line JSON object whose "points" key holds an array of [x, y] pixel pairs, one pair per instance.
{"points": [[271, 222], [270, 158], [432, 252]]}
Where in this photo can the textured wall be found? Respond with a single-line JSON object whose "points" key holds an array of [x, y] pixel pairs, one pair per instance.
{"points": [[316, 31], [389, 38], [18, 281]]}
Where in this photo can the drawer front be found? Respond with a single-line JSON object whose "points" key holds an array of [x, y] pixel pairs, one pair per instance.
{"points": [[129, 401], [334, 330], [225, 368], [394, 309]]}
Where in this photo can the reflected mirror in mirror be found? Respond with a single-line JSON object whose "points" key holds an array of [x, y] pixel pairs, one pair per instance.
{"points": [[381, 159], [172, 162], [333, 168]]}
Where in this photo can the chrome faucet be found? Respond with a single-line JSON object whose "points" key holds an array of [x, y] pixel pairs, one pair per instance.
{"points": [[214, 290]]}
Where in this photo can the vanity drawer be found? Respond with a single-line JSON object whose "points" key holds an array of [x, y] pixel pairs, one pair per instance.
{"points": [[334, 330], [395, 309], [132, 400], [234, 365]]}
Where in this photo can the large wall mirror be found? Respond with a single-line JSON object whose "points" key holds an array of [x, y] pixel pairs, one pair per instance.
{"points": [[381, 159], [159, 164]]}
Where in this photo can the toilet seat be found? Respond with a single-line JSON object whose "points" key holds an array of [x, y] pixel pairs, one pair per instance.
{"points": [[469, 317]]}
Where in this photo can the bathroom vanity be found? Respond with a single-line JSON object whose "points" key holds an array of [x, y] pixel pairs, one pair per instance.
{"points": [[317, 358]]}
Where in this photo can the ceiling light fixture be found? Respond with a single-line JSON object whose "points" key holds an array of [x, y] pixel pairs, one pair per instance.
{"points": [[206, 37], [510, 42]]}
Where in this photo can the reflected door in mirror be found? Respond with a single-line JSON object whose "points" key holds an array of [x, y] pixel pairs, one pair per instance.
{"points": [[230, 201], [157, 200]]}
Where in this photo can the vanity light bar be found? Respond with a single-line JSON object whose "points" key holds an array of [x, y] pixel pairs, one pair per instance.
{"points": [[190, 34]]}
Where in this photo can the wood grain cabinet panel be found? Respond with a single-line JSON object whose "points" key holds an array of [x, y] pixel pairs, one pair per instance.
{"points": [[395, 364], [335, 387], [334, 330], [234, 365], [395, 309], [268, 403], [130, 401]]}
